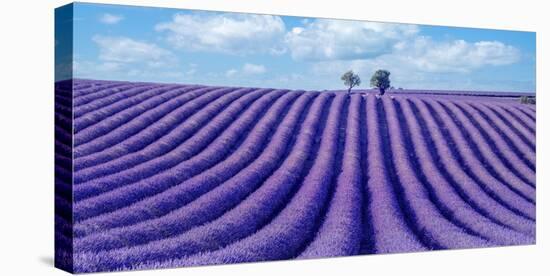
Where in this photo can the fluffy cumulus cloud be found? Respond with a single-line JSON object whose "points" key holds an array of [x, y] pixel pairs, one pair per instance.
{"points": [[424, 63], [421, 53], [333, 46], [455, 56], [248, 69], [125, 58], [225, 33], [110, 19], [327, 39], [323, 49], [127, 50], [231, 72]]}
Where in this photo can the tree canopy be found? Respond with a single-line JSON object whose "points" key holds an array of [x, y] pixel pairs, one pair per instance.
{"points": [[351, 80], [381, 80]]}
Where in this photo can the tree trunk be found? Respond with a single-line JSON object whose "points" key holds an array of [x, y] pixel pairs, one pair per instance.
{"points": [[382, 91], [349, 90]]}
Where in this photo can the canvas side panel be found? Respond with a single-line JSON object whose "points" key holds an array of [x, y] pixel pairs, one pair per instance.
{"points": [[64, 137]]}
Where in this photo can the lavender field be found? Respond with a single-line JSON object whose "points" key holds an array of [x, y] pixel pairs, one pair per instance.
{"points": [[164, 175]]}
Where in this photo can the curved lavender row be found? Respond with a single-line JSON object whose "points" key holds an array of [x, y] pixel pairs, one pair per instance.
{"points": [[251, 213], [112, 93], [175, 167], [526, 192], [63, 122], [493, 142], [461, 147], [113, 99], [390, 229], [62, 110], [212, 204], [63, 207], [81, 92], [151, 125], [342, 228], [288, 232], [524, 132], [141, 121], [63, 132], [522, 187], [62, 242], [503, 169], [62, 183], [148, 99], [492, 126], [62, 103], [81, 85], [82, 139], [174, 134], [530, 115], [63, 96], [87, 94], [62, 135], [101, 121], [178, 134], [63, 162], [507, 131], [520, 118], [189, 183], [62, 226], [527, 108], [437, 230], [64, 87], [443, 191], [504, 124], [179, 145], [63, 188], [62, 149], [199, 210], [111, 105]]}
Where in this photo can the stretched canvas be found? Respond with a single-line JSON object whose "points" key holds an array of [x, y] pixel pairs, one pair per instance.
{"points": [[186, 138]]}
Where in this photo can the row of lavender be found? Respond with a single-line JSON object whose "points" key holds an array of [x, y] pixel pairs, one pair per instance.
{"points": [[63, 176], [174, 175]]}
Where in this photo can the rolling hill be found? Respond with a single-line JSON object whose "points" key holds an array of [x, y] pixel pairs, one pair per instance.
{"points": [[161, 175]]}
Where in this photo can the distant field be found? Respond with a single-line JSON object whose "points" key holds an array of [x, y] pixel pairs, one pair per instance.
{"points": [[176, 175]]}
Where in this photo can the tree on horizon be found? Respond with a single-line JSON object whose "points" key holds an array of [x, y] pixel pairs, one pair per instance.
{"points": [[381, 80], [350, 80]]}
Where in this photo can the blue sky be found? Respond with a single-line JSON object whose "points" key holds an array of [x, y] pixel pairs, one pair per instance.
{"points": [[216, 48]]}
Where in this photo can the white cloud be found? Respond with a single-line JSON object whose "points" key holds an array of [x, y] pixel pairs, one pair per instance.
{"points": [[335, 45], [127, 50], [456, 56], [250, 68], [109, 66], [422, 54], [190, 72], [226, 33], [110, 19], [124, 58], [327, 39], [424, 63], [231, 72], [126, 71]]}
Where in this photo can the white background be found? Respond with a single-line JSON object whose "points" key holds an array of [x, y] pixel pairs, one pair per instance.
{"points": [[26, 135]]}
